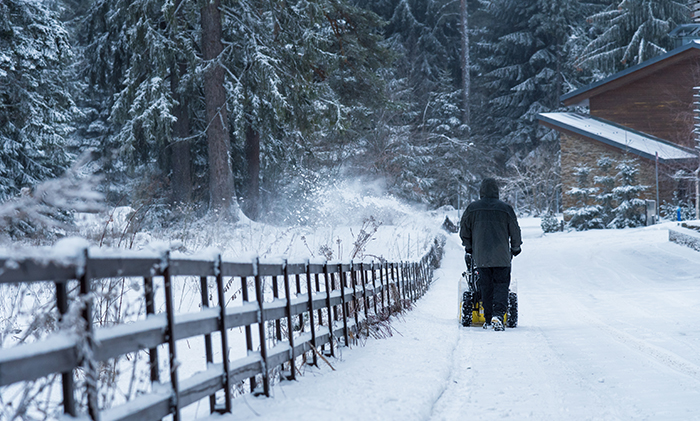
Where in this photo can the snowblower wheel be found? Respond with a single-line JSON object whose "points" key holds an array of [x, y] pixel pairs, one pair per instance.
{"points": [[512, 317], [467, 306]]}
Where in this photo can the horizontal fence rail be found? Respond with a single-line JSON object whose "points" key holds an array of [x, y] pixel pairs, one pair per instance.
{"points": [[288, 312]]}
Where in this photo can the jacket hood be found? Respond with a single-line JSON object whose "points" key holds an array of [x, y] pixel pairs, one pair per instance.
{"points": [[489, 189]]}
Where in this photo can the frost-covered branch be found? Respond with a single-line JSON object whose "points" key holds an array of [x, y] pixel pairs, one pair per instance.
{"points": [[47, 210]]}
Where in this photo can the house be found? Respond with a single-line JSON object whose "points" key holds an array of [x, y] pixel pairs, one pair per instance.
{"points": [[645, 113]]}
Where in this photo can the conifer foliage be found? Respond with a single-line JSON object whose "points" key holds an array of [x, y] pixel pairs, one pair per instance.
{"points": [[308, 90], [36, 102], [632, 31]]}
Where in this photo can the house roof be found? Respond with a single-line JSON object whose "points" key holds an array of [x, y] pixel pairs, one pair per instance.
{"points": [[633, 73], [617, 136]]}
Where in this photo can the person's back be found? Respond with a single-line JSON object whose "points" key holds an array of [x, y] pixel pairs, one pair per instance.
{"points": [[490, 233], [489, 229]]}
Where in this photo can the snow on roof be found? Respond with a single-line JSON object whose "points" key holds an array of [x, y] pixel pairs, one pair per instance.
{"points": [[618, 136]]}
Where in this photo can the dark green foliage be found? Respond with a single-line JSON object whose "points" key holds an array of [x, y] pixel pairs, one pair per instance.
{"points": [[630, 210], [586, 214], [36, 105], [629, 32]]}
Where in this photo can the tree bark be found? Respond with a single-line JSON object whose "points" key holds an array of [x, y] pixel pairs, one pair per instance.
{"points": [[221, 188], [181, 180], [252, 155], [466, 63]]}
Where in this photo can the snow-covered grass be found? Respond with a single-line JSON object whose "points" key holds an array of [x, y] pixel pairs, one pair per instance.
{"points": [[354, 227]]}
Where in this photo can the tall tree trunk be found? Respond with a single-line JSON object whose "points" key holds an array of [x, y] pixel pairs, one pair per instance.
{"points": [[221, 188], [252, 155], [466, 63], [182, 174]]}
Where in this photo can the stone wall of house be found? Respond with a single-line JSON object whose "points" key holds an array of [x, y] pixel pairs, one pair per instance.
{"points": [[577, 151]]}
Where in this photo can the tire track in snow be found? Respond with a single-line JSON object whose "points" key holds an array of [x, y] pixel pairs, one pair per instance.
{"points": [[449, 381], [660, 355]]}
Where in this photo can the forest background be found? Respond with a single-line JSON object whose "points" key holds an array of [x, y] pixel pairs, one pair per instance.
{"points": [[422, 98]]}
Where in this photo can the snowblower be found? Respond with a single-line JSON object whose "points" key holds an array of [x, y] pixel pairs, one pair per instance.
{"points": [[471, 309]]}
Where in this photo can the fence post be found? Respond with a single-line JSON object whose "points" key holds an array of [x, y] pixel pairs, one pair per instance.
{"points": [[276, 295], [398, 287], [290, 322], [204, 289], [311, 312], [381, 283], [297, 278], [374, 288], [224, 331], [89, 364], [355, 303], [170, 334], [329, 289], [342, 276], [411, 281], [151, 309], [248, 330], [365, 301], [319, 311], [261, 327], [67, 381]]}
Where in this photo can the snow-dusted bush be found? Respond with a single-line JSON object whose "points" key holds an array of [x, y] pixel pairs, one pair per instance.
{"points": [[669, 211], [550, 223]]}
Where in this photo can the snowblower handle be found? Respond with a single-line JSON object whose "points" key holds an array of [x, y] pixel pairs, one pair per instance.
{"points": [[468, 261]]}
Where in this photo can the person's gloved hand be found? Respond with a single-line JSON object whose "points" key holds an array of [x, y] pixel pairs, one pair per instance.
{"points": [[515, 252]]}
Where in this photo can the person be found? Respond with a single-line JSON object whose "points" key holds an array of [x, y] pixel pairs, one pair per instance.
{"points": [[490, 233]]}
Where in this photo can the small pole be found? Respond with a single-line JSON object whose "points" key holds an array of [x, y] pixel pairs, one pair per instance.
{"points": [[290, 322], [151, 309], [89, 363], [208, 351], [311, 312], [342, 276], [261, 328], [329, 289], [170, 314], [657, 186], [67, 381], [248, 330], [224, 333]]}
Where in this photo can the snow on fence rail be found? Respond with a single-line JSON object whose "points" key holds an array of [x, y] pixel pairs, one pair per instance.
{"points": [[344, 299]]}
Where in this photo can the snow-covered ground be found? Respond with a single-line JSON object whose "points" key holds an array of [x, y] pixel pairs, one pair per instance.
{"points": [[608, 330]]}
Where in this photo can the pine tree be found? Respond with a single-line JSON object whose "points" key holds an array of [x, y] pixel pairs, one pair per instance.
{"points": [[630, 210], [431, 158], [629, 32], [586, 214], [606, 181], [36, 104], [521, 60]]}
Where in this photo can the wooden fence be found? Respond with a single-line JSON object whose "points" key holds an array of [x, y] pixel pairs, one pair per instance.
{"points": [[331, 302]]}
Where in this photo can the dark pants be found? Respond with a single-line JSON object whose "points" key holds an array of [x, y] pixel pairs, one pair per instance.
{"points": [[494, 284]]}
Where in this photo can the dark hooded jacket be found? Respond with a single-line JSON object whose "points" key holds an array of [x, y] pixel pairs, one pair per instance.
{"points": [[489, 229]]}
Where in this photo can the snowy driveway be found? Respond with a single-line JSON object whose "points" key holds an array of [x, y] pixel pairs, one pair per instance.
{"points": [[608, 330]]}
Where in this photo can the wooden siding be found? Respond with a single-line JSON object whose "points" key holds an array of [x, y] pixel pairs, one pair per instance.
{"points": [[660, 104]]}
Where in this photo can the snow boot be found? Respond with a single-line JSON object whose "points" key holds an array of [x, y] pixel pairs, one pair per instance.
{"points": [[497, 324]]}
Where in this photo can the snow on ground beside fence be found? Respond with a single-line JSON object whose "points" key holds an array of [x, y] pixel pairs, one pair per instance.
{"points": [[607, 331], [378, 227]]}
